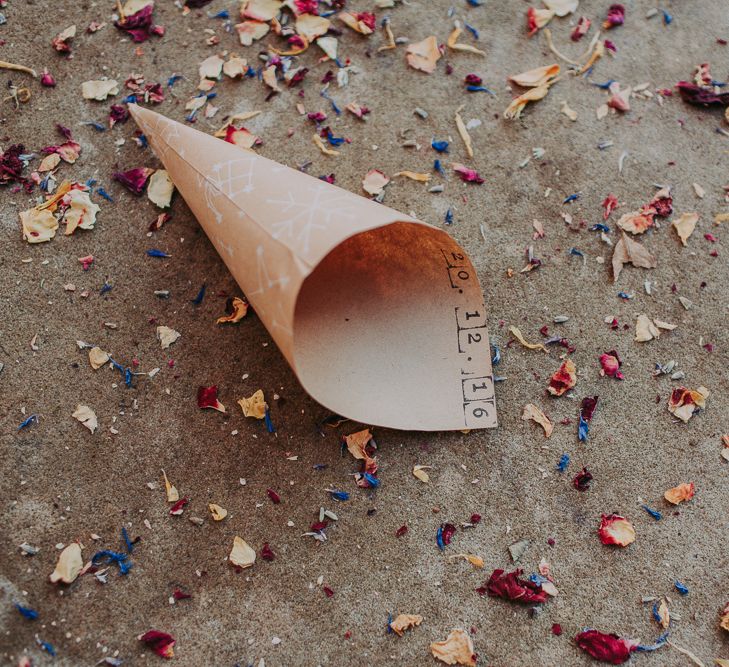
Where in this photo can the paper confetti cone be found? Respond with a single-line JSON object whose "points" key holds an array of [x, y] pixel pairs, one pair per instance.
{"points": [[380, 315]]}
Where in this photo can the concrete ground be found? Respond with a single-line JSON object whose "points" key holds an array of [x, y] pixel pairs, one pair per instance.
{"points": [[60, 483]]}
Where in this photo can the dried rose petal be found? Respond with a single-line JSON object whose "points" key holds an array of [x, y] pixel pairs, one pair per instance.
{"points": [[401, 531], [139, 25], [510, 587], [160, 642], [448, 530], [582, 480], [680, 493], [423, 55], [607, 648], [207, 397], [610, 203], [587, 407], [456, 649], [47, 79], [683, 402], [615, 16], [538, 18], [404, 622], [178, 594], [275, 497], [583, 25], [329, 592], [467, 175], [118, 113], [563, 379], [307, 6], [702, 97], [610, 362], [11, 166], [134, 180], [179, 507], [616, 530], [267, 552]]}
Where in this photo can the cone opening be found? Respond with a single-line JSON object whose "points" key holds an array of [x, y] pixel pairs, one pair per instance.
{"points": [[374, 326]]}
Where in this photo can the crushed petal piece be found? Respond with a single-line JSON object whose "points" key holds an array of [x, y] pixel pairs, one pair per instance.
{"points": [[69, 565], [99, 90], [219, 513], [250, 31], [423, 55], [86, 416], [405, 622], [254, 406], [680, 493], [160, 188], [564, 378], [167, 336], [419, 473], [173, 495], [456, 649], [532, 412], [38, 225], [241, 555], [537, 76], [684, 403], [97, 357], [628, 251], [374, 182], [685, 226], [207, 397], [236, 308]]}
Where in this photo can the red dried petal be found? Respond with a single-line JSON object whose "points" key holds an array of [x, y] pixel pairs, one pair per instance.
{"points": [[273, 496], [702, 97], [610, 203], [368, 18], [475, 518], [160, 642], [139, 25], [134, 180], [178, 594], [582, 480], [207, 397], [615, 16], [607, 648], [583, 25], [564, 378], [587, 407], [449, 530], [267, 552], [401, 531], [610, 362], [328, 591], [510, 587], [179, 507]]}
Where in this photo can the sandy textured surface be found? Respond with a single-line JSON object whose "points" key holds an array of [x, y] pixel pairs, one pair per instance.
{"points": [[60, 483]]}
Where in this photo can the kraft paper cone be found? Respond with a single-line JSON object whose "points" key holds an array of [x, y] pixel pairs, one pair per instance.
{"points": [[380, 315]]}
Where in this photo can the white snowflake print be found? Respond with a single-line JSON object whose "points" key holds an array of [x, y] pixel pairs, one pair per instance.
{"points": [[317, 209]]}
